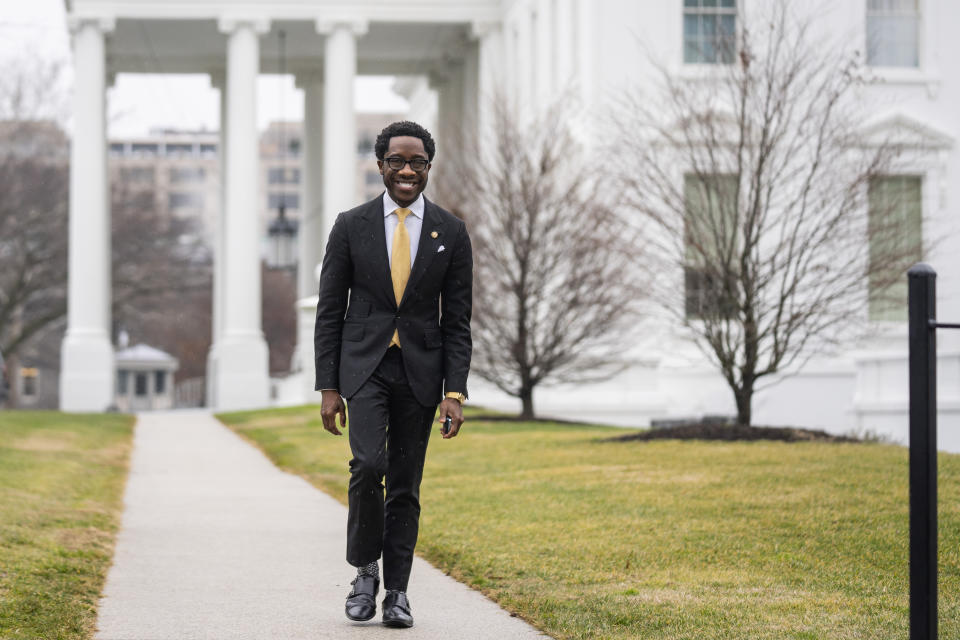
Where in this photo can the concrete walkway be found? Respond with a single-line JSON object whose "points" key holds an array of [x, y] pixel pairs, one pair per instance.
{"points": [[218, 543]]}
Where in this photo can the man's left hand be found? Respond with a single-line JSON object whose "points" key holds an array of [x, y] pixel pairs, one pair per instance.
{"points": [[451, 407]]}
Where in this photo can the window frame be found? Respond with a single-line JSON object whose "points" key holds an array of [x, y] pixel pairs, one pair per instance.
{"points": [[695, 303], [138, 377], [918, 36], [716, 11], [178, 200], [159, 381], [29, 383], [880, 308], [290, 199]]}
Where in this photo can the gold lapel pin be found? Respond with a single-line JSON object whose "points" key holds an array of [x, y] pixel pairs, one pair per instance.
{"points": [[433, 234]]}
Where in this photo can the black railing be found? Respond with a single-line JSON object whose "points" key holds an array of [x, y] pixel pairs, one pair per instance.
{"points": [[922, 281]]}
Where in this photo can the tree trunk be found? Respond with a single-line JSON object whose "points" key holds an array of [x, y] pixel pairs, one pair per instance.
{"points": [[744, 397], [526, 397], [13, 359], [13, 376]]}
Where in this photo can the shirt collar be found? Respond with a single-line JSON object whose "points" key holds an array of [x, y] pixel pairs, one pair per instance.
{"points": [[389, 206]]}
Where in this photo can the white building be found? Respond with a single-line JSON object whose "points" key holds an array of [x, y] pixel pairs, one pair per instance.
{"points": [[144, 378], [449, 56]]}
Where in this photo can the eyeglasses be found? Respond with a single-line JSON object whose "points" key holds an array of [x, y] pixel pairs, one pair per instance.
{"points": [[397, 163]]}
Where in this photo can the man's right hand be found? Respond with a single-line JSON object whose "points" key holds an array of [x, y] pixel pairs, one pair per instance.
{"points": [[330, 407]]}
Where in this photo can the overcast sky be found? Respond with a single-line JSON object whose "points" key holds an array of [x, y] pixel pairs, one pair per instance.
{"points": [[137, 103]]}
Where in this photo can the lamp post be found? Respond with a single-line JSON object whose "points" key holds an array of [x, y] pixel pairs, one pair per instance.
{"points": [[283, 241]]}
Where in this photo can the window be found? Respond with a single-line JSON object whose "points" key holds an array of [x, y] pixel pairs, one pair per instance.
{"points": [[294, 147], [373, 177], [179, 149], [711, 239], [289, 200], [117, 148], [895, 231], [140, 384], [892, 33], [123, 381], [208, 149], [144, 148], [160, 382], [709, 31], [137, 175], [178, 200], [280, 175], [28, 382], [187, 174]]}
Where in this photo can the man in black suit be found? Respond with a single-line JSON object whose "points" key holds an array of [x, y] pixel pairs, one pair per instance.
{"points": [[393, 338]]}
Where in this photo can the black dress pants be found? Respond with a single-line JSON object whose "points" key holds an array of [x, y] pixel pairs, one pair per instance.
{"points": [[388, 433]]}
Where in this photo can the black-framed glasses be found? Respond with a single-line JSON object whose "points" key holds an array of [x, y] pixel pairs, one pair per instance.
{"points": [[396, 163]]}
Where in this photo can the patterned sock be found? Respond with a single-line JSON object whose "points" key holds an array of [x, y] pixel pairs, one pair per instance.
{"points": [[372, 569]]}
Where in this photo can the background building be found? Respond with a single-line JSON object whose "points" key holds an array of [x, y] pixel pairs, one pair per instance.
{"points": [[451, 59], [282, 172], [180, 168], [144, 378]]}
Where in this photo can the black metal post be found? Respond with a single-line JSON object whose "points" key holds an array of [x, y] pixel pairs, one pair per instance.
{"points": [[923, 452]]}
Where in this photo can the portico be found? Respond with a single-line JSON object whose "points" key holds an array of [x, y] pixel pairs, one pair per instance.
{"points": [[329, 43]]}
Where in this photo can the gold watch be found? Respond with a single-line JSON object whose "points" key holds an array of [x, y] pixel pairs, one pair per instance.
{"points": [[456, 395]]}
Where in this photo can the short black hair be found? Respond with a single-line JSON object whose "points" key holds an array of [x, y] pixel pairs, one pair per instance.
{"points": [[404, 128]]}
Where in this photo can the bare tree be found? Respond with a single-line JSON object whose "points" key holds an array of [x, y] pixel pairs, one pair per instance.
{"points": [[33, 182], [162, 278], [154, 260], [553, 293], [753, 184]]}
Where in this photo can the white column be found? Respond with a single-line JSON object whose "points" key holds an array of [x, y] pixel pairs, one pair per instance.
{"points": [[471, 91], [339, 123], [449, 87], [524, 63], [584, 25], [219, 252], [311, 231], [564, 45], [544, 60], [311, 244], [491, 93], [87, 363], [242, 377]]}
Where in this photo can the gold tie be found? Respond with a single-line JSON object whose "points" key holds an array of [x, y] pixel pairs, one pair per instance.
{"points": [[400, 263]]}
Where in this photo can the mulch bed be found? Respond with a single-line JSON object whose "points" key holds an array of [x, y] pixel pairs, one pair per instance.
{"points": [[730, 432], [697, 431]]}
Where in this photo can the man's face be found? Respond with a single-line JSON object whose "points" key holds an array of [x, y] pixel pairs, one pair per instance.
{"points": [[404, 185]]}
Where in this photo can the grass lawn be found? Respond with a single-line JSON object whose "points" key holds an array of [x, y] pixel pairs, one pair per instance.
{"points": [[660, 540], [61, 487]]}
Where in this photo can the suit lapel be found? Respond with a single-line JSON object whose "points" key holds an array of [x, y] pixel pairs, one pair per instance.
{"points": [[428, 247], [375, 245]]}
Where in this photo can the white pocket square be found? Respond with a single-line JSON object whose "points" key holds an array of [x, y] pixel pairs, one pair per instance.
{"points": [[440, 248]]}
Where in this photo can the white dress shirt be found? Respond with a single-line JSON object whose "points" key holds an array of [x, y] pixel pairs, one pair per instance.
{"points": [[414, 223]]}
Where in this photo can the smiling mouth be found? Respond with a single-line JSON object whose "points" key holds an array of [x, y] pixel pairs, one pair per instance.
{"points": [[406, 186]]}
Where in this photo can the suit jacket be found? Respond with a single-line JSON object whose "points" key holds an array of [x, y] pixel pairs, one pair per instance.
{"points": [[433, 318]]}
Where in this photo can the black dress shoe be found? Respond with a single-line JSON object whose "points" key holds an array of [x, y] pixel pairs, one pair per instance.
{"points": [[362, 599], [396, 610]]}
